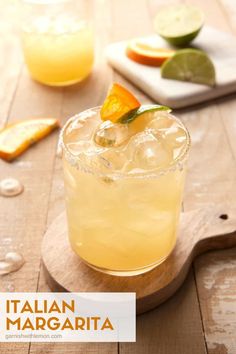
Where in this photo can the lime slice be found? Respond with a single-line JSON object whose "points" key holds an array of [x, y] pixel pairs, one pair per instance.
{"points": [[190, 65], [179, 24], [131, 115]]}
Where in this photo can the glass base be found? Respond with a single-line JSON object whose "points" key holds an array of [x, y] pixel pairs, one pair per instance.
{"points": [[128, 273], [63, 83]]}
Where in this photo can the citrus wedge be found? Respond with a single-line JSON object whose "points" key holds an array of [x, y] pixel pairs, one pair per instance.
{"points": [[146, 108], [145, 51], [16, 138], [190, 65], [118, 102], [179, 24]]}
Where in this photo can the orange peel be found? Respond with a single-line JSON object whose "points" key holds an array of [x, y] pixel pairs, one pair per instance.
{"points": [[17, 137], [118, 102], [147, 53]]}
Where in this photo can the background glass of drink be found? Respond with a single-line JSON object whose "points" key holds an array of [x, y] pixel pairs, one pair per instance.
{"points": [[57, 40], [122, 215]]}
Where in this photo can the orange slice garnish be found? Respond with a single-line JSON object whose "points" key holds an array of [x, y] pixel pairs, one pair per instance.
{"points": [[145, 51], [118, 102], [16, 138]]}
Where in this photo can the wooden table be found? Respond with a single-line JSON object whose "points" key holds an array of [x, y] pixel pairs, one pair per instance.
{"points": [[201, 317]]}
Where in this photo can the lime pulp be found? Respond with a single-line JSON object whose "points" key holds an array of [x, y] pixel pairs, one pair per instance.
{"points": [[179, 24], [190, 65]]}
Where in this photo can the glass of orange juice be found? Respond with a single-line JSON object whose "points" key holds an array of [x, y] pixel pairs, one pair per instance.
{"points": [[124, 185], [57, 40]]}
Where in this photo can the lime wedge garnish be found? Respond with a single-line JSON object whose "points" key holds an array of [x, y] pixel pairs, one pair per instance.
{"points": [[190, 65], [131, 115], [179, 24]]}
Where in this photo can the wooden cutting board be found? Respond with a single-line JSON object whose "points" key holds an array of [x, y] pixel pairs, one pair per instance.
{"points": [[213, 227], [220, 46]]}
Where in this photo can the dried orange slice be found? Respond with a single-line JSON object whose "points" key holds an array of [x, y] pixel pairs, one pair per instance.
{"points": [[16, 138], [118, 102], [145, 51]]}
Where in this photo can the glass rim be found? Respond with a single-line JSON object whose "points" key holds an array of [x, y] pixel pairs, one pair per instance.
{"points": [[78, 163], [44, 2]]}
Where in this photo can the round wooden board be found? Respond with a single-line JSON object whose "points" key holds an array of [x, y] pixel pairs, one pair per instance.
{"points": [[200, 230]]}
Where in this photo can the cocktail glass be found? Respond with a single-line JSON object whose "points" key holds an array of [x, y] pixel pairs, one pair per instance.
{"points": [[57, 40], [123, 203]]}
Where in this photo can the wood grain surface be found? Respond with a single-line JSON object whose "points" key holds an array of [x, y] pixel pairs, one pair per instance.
{"points": [[209, 228], [200, 318]]}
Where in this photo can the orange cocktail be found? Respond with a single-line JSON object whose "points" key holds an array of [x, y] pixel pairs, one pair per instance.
{"points": [[124, 182]]}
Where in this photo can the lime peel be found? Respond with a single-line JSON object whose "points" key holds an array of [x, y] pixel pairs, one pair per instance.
{"points": [[133, 114], [191, 65]]}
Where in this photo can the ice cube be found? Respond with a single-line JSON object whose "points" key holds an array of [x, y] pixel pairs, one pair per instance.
{"points": [[116, 160], [85, 148], [89, 155], [161, 121], [146, 151], [78, 147], [175, 136], [11, 263], [81, 129], [111, 134], [10, 187]]}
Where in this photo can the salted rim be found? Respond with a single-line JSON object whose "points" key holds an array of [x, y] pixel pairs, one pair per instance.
{"points": [[78, 163]]}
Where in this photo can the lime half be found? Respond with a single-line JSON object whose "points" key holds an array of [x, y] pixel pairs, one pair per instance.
{"points": [[179, 24], [190, 65]]}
